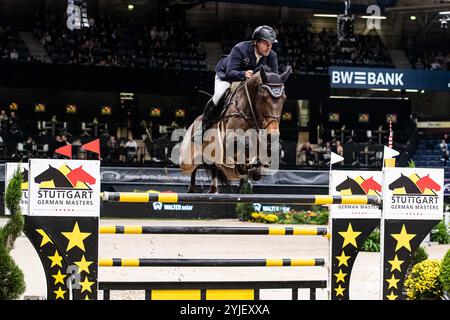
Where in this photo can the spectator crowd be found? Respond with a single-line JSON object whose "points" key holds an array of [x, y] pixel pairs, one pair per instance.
{"points": [[120, 42], [307, 50]]}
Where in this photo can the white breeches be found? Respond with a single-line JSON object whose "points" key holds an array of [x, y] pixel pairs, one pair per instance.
{"points": [[220, 87]]}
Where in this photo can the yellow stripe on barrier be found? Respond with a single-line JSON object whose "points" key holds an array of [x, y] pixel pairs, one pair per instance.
{"points": [[324, 199], [354, 200], [105, 262], [132, 230], [176, 295], [133, 197], [274, 262], [277, 231], [168, 197], [107, 229], [130, 263], [303, 262], [230, 294], [305, 231]]}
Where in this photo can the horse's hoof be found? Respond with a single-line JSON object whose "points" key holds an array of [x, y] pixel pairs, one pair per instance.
{"points": [[191, 189], [213, 190]]}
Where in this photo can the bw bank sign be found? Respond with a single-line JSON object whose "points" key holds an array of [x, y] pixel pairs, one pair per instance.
{"points": [[367, 78]]}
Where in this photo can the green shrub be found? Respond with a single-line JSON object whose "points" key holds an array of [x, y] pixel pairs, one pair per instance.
{"points": [[244, 210], [12, 283], [372, 243], [321, 218], [444, 274], [423, 282], [411, 164], [440, 234], [300, 218], [419, 255]]}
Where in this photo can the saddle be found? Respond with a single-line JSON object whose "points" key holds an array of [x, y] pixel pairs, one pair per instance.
{"points": [[226, 100]]}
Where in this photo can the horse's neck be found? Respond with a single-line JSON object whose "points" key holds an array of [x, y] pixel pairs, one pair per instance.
{"points": [[239, 105]]}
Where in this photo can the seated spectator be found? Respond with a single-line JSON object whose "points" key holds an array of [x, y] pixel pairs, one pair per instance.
{"points": [[28, 147], [60, 141], [112, 150], [3, 151], [131, 150], [444, 151], [327, 154], [13, 122], [4, 122], [339, 148], [436, 65], [443, 146], [14, 55], [306, 155]]}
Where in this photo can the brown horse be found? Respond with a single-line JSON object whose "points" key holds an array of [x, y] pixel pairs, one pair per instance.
{"points": [[256, 104]]}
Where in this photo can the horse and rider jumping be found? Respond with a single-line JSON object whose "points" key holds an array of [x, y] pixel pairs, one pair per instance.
{"points": [[255, 104]]}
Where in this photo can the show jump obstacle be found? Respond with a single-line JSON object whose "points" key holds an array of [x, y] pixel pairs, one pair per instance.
{"points": [[63, 225]]}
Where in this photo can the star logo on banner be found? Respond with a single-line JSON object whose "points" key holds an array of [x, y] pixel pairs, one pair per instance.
{"points": [[339, 291], [343, 259], [403, 238], [392, 296], [45, 238], [396, 263], [56, 259], [350, 236], [83, 265], [340, 276], [86, 285], [59, 277], [76, 237], [392, 282], [60, 293]]}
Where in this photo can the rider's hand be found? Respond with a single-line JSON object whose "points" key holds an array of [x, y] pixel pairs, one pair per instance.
{"points": [[248, 73]]}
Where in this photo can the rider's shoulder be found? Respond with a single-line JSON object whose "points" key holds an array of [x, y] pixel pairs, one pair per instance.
{"points": [[272, 54], [244, 45]]}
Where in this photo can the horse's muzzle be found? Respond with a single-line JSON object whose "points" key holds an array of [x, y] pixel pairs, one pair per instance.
{"points": [[273, 128]]}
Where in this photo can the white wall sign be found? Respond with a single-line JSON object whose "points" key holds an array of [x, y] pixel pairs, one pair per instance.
{"points": [[64, 187], [355, 183], [413, 193]]}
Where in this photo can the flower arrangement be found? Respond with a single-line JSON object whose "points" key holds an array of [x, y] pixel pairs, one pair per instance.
{"points": [[423, 282]]}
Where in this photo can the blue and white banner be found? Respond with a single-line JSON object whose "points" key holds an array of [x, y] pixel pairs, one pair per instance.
{"points": [[371, 78]]}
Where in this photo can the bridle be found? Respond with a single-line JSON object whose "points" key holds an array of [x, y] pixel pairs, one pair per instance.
{"points": [[275, 90]]}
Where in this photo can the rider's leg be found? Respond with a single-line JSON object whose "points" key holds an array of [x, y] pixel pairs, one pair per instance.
{"points": [[211, 108]]}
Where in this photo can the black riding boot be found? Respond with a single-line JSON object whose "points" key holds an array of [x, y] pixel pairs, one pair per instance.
{"points": [[210, 113]]}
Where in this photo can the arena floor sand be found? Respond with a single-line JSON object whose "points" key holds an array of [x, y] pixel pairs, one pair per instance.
{"points": [[364, 282]]}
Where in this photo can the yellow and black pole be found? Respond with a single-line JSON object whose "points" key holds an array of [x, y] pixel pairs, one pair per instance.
{"points": [[172, 197]]}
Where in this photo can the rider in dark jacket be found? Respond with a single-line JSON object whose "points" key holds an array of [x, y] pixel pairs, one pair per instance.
{"points": [[245, 57]]}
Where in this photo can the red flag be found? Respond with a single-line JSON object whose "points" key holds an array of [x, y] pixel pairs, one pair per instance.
{"points": [[65, 151], [93, 146]]}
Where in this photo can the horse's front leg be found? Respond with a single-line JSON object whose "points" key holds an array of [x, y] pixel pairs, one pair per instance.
{"points": [[191, 188], [213, 188]]}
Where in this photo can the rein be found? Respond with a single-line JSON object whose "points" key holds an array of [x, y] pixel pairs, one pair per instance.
{"points": [[274, 89]]}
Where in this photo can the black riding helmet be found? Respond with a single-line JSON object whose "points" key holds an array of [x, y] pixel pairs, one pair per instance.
{"points": [[265, 33]]}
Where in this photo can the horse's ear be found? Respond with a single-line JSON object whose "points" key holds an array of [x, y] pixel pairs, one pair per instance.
{"points": [[286, 74], [263, 74]]}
